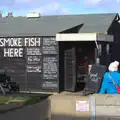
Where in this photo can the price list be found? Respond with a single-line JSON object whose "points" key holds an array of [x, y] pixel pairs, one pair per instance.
{"points": [[50, 63], [34, 59]]}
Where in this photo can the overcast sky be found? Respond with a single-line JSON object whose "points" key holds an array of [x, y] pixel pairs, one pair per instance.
{"points": [[55, 7]]}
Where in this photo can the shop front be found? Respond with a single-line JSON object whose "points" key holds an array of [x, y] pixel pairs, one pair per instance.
{"points": [[49, 64], [79, 51]]}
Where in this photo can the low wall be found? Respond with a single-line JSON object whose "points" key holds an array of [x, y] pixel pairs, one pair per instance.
{"points": [[107, 106], [63, 107], [76, 107]]}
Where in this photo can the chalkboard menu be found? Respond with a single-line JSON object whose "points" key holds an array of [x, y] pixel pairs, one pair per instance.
{"points": [[50, 46], [49, 85], [34, 59], [50, 67], [50, 63], [95, 77], [33, 68], [49, 41], [34, 51], [49, 49]]}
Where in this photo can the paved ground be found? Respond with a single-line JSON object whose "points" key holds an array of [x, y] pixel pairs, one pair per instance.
{"points": [[39, 111]]}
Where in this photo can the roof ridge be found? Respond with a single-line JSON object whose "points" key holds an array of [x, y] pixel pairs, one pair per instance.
{"points": [[50, 25], [80, 14], [64, 15]]}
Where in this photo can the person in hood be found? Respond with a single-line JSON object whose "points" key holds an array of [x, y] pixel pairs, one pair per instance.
{"points": [[108, 86]]}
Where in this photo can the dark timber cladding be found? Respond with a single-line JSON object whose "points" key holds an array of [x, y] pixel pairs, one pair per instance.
{"points": [[31, 55], [31, 61]]}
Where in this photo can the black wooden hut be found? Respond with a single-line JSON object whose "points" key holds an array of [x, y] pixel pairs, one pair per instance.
{"points": [[43, 53]]}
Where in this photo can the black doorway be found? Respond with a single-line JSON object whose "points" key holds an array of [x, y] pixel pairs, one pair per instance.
{"points": [[74, 58], [85, 56]]}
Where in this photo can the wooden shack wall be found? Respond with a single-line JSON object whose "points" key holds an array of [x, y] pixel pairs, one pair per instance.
{"points": [[38, 68], [115, 31]]}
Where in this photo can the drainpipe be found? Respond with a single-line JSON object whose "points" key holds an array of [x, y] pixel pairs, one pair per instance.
{"points": [[97, 61]]}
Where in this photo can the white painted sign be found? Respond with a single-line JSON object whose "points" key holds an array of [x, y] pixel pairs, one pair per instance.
{"points": [[82, 106], [94, 77], [19, 42], [13, 47]]}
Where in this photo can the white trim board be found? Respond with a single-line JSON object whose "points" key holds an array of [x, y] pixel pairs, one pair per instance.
{"points": [[84, 37]]}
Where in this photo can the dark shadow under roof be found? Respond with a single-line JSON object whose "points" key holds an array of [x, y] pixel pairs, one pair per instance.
{"points": [[50, 25]]}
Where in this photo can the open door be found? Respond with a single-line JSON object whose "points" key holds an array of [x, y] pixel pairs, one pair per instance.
{"points": [[70, 69]]}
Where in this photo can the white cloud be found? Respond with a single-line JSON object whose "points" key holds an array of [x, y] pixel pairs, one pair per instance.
{"points": [[53, 8], [102, 5], [118, 1], [21, 7], [23, 1], [92, 1]]}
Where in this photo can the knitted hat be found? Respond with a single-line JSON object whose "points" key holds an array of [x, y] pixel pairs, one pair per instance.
{"points": [[116, 63], [113, 66]]}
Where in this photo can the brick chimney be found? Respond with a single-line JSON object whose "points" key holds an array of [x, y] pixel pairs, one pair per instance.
{"points": [[0, 15], [10, 14]]}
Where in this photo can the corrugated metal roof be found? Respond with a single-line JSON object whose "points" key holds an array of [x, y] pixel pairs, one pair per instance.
{"points": [[50, 25]]}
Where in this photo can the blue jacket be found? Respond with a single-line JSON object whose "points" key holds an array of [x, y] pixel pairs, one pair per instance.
{"points": [[107, 84]]}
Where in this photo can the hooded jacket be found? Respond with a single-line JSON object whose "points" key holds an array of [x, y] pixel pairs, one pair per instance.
{"points": [[107, 84]]}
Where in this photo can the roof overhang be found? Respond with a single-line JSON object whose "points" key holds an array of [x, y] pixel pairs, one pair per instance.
{"points": [[84, 37]]}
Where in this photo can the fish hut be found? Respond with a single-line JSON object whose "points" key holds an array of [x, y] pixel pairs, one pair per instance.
{"points": [[47, 53]]}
